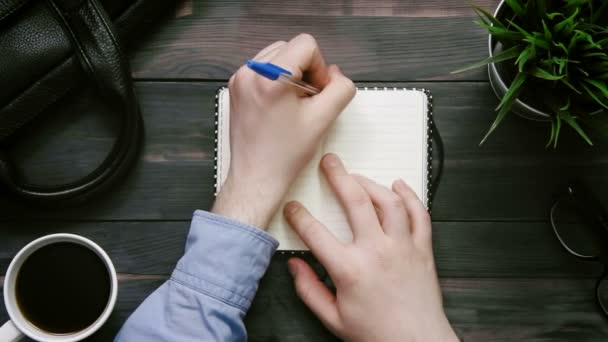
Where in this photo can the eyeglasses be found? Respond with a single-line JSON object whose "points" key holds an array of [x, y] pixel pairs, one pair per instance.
{"points": [[580, 224]]}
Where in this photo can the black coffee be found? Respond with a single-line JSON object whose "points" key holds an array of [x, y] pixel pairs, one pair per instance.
{"points": [[63, 288]]}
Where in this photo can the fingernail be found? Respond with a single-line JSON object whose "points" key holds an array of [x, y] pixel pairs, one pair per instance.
{"points": [[292, 266], [331, 160], [291, 208]]}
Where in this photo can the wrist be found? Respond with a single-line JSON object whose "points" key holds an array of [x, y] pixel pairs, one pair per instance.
{"points": [[249, 202]]}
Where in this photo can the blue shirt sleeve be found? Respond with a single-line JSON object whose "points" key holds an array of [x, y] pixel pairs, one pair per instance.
{"points": [[211, 288]]}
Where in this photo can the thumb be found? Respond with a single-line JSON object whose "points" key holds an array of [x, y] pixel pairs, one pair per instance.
{"points": [[334, 97], [315, 294]]}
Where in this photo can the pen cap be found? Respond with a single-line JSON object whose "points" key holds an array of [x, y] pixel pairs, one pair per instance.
{"points": [[267, 70]]}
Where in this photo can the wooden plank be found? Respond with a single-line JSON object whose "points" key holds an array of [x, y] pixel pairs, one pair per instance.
{"points": [[382, 41], [479, 309], [462, 249], [332, 8], [134, 247], [512, 177], [130, 294]]}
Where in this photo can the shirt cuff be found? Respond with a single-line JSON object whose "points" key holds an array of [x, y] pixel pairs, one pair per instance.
{"points": [[224, 259]]}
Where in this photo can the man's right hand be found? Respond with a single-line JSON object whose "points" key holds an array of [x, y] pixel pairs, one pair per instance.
{"points": [[387, 287], [275, 129]]}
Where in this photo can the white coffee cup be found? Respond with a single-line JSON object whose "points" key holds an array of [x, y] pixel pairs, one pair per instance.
{"points": [[19, 325]]}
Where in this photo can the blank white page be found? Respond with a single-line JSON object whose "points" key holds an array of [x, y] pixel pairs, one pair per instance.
{"points": [[382, 134]]}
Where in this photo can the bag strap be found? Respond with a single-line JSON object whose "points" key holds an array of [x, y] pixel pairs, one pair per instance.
{"points": [[100, 56]]}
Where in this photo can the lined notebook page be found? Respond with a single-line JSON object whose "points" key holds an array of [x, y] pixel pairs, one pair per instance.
{"points": [[382, 134]]}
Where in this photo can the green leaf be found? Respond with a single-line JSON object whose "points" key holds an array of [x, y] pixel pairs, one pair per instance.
{"points": [[602, 42], [499, 57], [538, 40], [520, 29], [571, 121], [567, 25], [552, 16], [501, 33], [562, 46], [483, 15], [552, 135], [569, 85], [524, 56], [544, 74], [566, 106], [562, 63], [595, 54], [556, 125], [516, 6], [575, 3], [506, 103], [594, 96], [548, 33], [577, 37], [513, 90], [557, 131], [599, 85], [582, 71]]}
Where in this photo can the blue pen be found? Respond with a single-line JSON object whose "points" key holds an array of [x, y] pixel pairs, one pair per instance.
{"points": [[276, 73]]}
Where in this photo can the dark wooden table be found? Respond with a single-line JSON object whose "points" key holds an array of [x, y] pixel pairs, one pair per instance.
{"points": [[503, 274]]}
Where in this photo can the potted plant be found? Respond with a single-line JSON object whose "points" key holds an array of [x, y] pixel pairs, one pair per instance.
{"points": [[549, 61]]}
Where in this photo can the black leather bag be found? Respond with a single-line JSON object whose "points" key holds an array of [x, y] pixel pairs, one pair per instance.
{"points": [[49, 48]]}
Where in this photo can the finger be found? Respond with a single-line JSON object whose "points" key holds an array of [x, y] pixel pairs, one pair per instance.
{"points": [[302, 55], [332, 100], [264, 52], [268, 56], [394, 219], [355, 200], [322, 243], [315, 294], [420, 220]]}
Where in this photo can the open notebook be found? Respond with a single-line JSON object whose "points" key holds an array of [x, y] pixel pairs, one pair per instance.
{"points": [[382, 134]]}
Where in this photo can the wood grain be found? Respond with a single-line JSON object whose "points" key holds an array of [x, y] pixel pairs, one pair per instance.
{"points": [[381, 40], [332, 8], [513, 177], [503, 274], [462, 249], [480, 310]]}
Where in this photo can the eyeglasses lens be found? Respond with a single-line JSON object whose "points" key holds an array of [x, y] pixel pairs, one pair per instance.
{"points": [[575, 229]]}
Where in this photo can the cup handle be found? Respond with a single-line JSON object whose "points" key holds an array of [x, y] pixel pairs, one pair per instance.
{"points": [[10, 333]]}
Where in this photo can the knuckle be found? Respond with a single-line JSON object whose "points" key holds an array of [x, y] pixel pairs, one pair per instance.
{"points": [[357, 199], [396, 202], [347, 85], [307, 39], [266, 89], [346, 276], [240, 76]]}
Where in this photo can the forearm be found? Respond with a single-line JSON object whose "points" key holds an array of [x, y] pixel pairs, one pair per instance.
{"points": [[211, 288]]}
